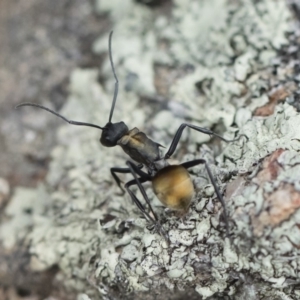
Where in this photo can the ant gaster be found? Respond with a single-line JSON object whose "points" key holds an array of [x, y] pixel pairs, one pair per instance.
{"points": [[171, 183]]}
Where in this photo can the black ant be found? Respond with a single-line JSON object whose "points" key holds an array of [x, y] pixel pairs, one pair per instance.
{"points": [[171, 183]]}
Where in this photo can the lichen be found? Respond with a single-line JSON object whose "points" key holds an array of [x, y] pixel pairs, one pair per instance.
{"points": [[95, 235]]}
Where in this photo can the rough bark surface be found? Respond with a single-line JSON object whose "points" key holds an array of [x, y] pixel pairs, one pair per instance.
{"points": [[232, 66]]}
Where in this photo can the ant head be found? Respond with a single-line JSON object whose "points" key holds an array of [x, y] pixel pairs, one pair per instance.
{"points": [[112, 132]]}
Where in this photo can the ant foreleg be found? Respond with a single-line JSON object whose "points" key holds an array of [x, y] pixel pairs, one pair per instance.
{"points": [[134, 170], [115, 170], [195, 162], [136, 200], [197, 128], [155, 222]]}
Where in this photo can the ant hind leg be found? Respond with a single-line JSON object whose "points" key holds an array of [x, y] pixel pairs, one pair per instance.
{"points": [[195, 162]]}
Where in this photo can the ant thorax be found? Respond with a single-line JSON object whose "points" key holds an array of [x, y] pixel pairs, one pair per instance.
{"points": [[139, 147]]}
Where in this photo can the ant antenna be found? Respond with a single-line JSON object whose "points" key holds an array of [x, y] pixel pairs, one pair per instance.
{"points": [[58, 115], [116, 78]]}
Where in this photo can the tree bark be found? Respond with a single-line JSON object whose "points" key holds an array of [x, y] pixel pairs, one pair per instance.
{"points": [[228, 66]]}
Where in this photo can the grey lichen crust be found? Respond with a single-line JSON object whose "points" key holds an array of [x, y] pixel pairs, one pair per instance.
{"points": [[101, 244]]}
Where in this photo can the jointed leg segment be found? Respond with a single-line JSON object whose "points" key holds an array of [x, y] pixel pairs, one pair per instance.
{"points": [[144, 177], [115, 170], [137, 201], [197, 128], [195, 162]]}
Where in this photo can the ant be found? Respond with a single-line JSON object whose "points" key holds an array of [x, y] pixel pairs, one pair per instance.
{"points": [[171, 183]]}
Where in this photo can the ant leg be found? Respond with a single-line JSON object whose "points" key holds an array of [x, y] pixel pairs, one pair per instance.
{"points": [[138, 182], [115, 170], [148, 217], [134, 170], [195, 162], [197, 128], [136, 200]]}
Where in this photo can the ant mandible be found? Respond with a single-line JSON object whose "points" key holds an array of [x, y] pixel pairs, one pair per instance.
{"points": [[171, 183]]}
